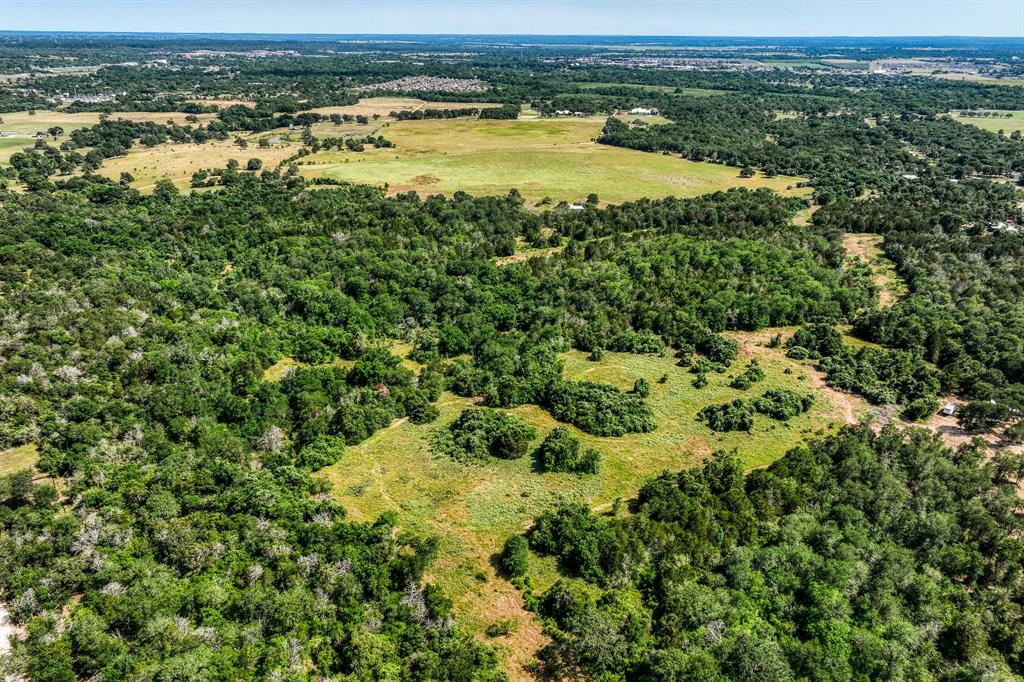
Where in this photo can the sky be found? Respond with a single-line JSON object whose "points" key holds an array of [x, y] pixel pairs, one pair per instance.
{"points": [[553, 17]]}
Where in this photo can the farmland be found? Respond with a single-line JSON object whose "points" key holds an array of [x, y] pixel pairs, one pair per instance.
{"points": [[554, 158]]}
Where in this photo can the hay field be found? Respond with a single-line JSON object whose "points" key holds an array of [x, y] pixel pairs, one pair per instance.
{"points": [[541, 157]]}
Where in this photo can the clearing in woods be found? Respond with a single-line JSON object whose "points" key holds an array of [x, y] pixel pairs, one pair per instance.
{"points": [[541, 157], [866, 246], [474, 508], [18, 458], [1007, 121], [177, 162]]}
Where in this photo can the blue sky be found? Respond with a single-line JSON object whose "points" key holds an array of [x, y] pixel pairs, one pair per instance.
{"points": [[640, 17]]}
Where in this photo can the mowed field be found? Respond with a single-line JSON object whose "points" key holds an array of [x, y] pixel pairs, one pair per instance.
{"points": [[473, 508], [995, 124], [541, 157]]}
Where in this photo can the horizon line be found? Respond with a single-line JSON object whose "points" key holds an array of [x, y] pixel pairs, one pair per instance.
{"points": [[506, 35]]}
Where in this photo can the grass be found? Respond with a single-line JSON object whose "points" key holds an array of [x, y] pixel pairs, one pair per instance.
{"points": [[633, 86], [1007, 125], [16, 459], [554, 157], [177, 162], [473, 508], [383, 106], [40, 121]]}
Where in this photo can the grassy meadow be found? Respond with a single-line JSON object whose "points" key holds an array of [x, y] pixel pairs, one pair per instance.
{"points": [[39, 121], [383, 106], [16, 459], [473, 508], [541, 157], [1007, 125]]}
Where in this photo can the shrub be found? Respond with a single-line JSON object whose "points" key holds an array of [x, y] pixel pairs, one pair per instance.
{"points": [[797, 353], [783, 404], [515, 557], [981, 415], [598, 408], [636, 342], [501, 627], [922, 408], [324, 451], [562, 451], [820, 340], [718, 349], [748, 377], [734, 416], [479, 433]]}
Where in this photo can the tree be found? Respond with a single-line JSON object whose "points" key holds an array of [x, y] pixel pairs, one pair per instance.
{"points": [[562, 451], [515, 557], [254, 164], [982, 415]]}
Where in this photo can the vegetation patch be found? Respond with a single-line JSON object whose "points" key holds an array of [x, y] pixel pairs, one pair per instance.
{"points": [[598, 408], [711, 557], [480, 433], [562, 451]]}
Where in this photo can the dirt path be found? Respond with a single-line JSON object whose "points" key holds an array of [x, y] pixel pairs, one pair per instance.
{"points": [[851, 407], [6, 631], [866, 247]]}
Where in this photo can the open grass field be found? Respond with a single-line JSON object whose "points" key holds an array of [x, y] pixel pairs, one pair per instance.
{"points": [[40, 121], [633, 86], [1007, 125], [551, 157], [473, 508], [382, 106], [16, 459], [177, 162]]}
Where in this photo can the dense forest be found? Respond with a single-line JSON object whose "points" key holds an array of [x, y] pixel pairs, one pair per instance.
{"points": [[135, 357], [860, 556]]}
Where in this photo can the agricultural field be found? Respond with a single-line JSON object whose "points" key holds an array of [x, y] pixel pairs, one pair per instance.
{"points": [[473, 508], [1008, 124], [550, 157]]}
